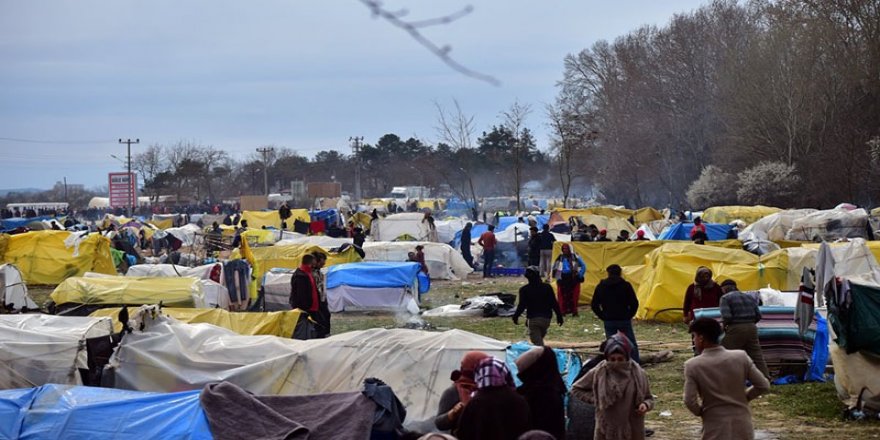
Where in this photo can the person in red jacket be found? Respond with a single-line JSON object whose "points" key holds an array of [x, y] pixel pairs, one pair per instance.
{"points": [[304, 296], [703, 293], [698, 232]]}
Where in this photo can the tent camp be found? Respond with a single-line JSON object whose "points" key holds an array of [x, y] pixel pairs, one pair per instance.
{"points": [[404, 226], [442, 260], [829, 225], [44, 257], [727, 214], [169, 355], [13, 291], [376, 286], [82, 295], [258, 219], [41, 349], [244, 323], [774, 227], [682, 231]]}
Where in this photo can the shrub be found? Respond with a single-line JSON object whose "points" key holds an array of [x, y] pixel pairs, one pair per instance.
{"points": [[768, 183]]}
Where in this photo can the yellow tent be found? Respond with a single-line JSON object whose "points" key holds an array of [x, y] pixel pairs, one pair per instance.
{"points": [[258, 219], [363, 219], [670, 268], [605, 211], [42, 257], [647, 215], [727, 214], [171, 291], [162, 224], [289, 256], [245, 323]]}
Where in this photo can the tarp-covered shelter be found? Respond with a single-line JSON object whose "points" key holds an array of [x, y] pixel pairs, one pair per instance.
{"points": [[13, 290], [396, 226], [727, 214], [442, 260], [289, 256], [312, 240], [119, 290], [774, 227], [682, 231], [203, 272], [279, 323], [168, 355], [374, 285], [43, 257], [258, 219], [830, 225], [40, 349], [77, 412]]}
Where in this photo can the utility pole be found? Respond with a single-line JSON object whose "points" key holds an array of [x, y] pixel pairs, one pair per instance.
{"points": [[132, 183], [266, 151], [356, 143]]}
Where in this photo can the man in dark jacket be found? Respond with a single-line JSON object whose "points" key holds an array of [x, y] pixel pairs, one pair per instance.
{"points": [[284, 213], [534, 256], [304, 296], [547, 240], [359, 237], [538, 301], [615, 303]]}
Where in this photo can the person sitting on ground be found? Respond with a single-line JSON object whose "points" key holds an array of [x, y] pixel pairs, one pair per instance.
{"points": [[593, 231], [496, 411], [640, 236], [619, 389], [537, 300], [544, 390], [456, 397], [714, 384], [703, 293], [623, 235]]}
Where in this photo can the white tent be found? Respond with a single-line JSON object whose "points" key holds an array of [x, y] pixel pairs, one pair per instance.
{"points": [[773, 227], [172, 356], [392, 227], [13, 290], [186, 233], [446, 229], [40, 349], [206, 292], [316, 240], [829, 225], [442, 260], [173, 270]]}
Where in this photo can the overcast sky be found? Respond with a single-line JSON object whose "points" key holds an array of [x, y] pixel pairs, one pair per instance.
{"points": [[240, 74]]}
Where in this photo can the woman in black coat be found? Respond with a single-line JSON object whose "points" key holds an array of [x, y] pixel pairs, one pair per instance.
{"points": [[544, 390]]}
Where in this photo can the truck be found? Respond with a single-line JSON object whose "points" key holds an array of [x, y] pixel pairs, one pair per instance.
{"points": [[410, 193]]}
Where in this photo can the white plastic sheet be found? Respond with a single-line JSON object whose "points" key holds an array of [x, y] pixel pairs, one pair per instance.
{"points": [[393, 226], [442, 260], [342, 298], [13, 290]]}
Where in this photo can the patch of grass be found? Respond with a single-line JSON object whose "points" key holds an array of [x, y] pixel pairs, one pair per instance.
{"points": [[813, 400]]}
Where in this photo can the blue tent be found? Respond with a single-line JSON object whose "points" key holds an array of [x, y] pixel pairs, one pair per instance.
{"points": [[330, 215], [59, 411], [682, 231], [17, 222], [378, 274], [504, 222]]}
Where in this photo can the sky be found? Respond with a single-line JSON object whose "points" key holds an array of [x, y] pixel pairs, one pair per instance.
{"points": [[302, 74]]}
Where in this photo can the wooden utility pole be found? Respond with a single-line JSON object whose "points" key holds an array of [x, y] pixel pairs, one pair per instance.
{"points": [[266, 151]]}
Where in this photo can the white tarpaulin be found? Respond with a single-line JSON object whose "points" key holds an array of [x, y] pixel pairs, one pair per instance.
{"points": [[829, 225], [773, 227], [40, 349], [316, 240], [173, 270], [13, 290], [172, 356], [276, 289], [342, 298], [443, 261], [446, 229], [186, 233], [394, 226]]}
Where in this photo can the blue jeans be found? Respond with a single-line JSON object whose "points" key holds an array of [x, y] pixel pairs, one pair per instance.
{"points": [[611, 329], [488, 262]]}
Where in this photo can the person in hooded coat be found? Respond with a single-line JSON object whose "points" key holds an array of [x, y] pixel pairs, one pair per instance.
{"points": [[615, 303], [544, 390], [703, 293], [537, 300], [619, 389], [496, 411], [456, 397]]}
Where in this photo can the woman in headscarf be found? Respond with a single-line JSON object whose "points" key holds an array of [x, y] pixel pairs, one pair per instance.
{"points": [[568, 270], [454, 398], [544, 390], [496, 411], [618, 387], [703, 293]]}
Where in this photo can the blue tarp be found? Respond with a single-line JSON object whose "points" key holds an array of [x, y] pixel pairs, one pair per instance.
{"points": [[819, 357], [569, 364], [682, 231], [9, 224], [76, 412], [504, 222], [330, 215], [373, 274]]}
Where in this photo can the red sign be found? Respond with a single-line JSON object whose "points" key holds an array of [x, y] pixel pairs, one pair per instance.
{"points": [[123, 190]]}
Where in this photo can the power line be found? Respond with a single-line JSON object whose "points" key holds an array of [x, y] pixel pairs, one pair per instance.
{"points": [[266, 151], [36, 141]]}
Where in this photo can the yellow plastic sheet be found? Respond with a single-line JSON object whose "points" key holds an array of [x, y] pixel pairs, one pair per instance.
{"points": [[289, 256], [246, 323], [647, 215], [258, 219], [727, 214], [162, 224], [173, 292], [363, 219], [42, 257]]}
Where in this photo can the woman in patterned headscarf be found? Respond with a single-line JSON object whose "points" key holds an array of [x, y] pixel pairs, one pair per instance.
{"points": [[618, 387], [703, 293], [496, 411], [454, 398]]}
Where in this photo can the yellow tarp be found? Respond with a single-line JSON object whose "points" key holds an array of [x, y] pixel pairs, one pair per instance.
{"points": [[245, 323], [647, 215], [605, 211], [670, 268], [260, 236], [429, 203], [162, 224], [289, 256], [363, 219], [875, 212], [42, 257], [171, 291], [727, 214], [258, 219]]}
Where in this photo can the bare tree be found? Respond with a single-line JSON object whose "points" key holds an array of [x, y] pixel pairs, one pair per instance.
{"points": [[514, 119], [456, 129]]}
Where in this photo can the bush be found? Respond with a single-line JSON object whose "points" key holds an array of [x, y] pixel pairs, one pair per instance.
{"points": [[768, 183], [714, 187]]}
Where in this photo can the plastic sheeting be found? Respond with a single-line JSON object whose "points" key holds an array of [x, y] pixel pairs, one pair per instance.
{"points": [[43, 258], [290, 257], [41, 349], [442, 260], [727, 214], [342, 298], [172, 292], [244, 323], [75, 412], [186, 234], [568, 362], [373, 274], [13, 290], [829, 225], [258, 219], [171, 270], [170, 355], [773, 227], [394, 226], [682, 231], [324, 241]]}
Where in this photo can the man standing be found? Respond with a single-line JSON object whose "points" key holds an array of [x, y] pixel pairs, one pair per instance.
{"points": [[547, 240], [420, 258], [284, 213], [304, 296], [569, 270], [534, 255], [714, 384], [615, 303], [740, 314], [537, 300], [322, 327], [487, 241], [466, 244]]}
